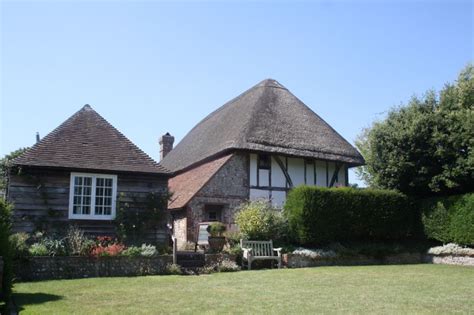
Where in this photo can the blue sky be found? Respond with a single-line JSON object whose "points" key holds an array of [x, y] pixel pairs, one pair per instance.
{"points": [[152, 67]]}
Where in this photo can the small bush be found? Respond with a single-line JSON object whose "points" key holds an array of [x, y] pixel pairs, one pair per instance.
{"points": [[107, 246], [451, 249], [132, 251], [449, 219], [19, 244], [322, 215], [233, 238], [216, 229], [87, 247], [148, 250], [314, 253], [173, 269], [6, 250], [56, 247], [227, 265], [75, 241], [38, 249], [258, 220]]}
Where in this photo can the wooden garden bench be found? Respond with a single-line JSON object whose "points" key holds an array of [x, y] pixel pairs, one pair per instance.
{"points": [[260, 250]]}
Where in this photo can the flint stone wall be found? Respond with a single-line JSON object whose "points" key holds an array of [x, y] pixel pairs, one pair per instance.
{"points": [[73, 267]]}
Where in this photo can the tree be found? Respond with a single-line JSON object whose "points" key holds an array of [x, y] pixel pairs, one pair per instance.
{"points": [[427, 146], [5, 164]]}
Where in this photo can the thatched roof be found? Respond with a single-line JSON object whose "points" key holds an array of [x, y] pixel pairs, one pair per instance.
{"points": [[87, 141], [266, 118]]}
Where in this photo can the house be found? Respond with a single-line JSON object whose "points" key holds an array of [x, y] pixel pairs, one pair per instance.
{"points": [[80, 174], [257, 146]]}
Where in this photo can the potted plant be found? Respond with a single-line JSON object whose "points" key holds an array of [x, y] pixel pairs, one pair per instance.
{"points": [[215, 238]]}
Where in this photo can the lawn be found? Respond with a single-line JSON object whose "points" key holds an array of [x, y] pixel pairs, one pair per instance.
{"points": [[374, 289]]}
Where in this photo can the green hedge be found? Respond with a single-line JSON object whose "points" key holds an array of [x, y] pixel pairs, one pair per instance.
{"points": [[449, 219], [322, 215], [5, 250]]}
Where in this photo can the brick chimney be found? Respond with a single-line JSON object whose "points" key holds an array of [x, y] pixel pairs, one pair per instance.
{"points": [[166, 145]]}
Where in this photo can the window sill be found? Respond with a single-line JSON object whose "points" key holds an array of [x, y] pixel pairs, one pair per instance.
{"points": [[91, 217]]}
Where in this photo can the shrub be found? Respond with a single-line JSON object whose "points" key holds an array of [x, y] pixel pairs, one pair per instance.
{"points": [[216, 229], [462, 221], [451, 249], [19, 244], [449, 219], [6, 250], [38, 249], [87, 247], [258, 220], [75, 240], [322, 215], [106, 246], [173, 269], [233, 238], [132, 251], [227, 265], [314, 253], [56, 247], [148, 250]]}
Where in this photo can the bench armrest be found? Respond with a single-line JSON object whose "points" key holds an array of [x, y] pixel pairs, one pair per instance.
{"points": [[247, 252], [278, 251]]}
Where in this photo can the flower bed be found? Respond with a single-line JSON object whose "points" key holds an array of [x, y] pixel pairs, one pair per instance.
{"points": [[451, 254]]}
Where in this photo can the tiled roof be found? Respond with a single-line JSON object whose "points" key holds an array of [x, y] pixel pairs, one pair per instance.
{"points": [[88, 141], [266, 118], [186, 185]]}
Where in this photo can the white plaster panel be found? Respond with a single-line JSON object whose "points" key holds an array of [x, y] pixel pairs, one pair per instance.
{"points": [[278, 198], [310, 174], [253, 169], [321, 173], [263, 178], [259, 194], [278, 178], [296, 171]]}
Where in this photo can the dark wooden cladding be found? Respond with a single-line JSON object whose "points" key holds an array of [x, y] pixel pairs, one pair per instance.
{"points": [[41, 200]]}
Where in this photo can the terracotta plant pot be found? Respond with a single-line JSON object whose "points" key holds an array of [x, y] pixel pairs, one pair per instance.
{"points": [[216, 243]]}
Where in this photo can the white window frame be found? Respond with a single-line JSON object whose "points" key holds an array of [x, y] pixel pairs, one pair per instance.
{"points": [[92, 215]]}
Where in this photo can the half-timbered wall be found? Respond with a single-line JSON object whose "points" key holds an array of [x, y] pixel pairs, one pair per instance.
{"points": [[272, 184], [41, 201]]}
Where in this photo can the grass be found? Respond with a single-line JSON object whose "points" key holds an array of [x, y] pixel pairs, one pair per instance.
{"points": [[365, 289]]}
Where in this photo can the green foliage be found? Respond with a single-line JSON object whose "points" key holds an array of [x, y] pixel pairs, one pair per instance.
{"points": [[227, 265], [5, 164], [76, 242], [148, 250], [38, 249], [19, 244], [258, 220], [173, 269], [133, 223], [132, 251], [322, 215], [6, 250], [216, 229], [426, 147], [449, 219]]}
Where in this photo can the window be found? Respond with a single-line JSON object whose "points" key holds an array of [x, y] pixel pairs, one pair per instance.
{"points": [[92, 196], [214, 212], [264, 161]]}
